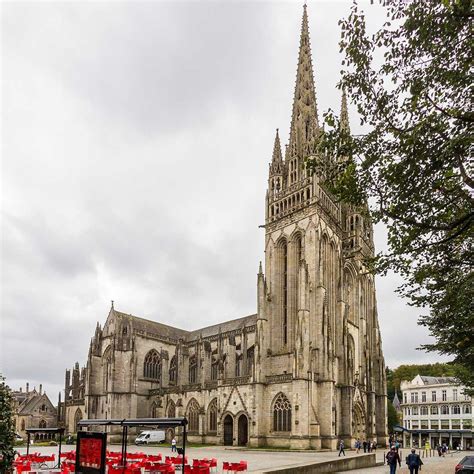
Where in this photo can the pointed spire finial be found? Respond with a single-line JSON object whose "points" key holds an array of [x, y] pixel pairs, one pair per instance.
{"points": [[277, 156], [304, 121], [112, 301], [260, 270], [344, 119]]}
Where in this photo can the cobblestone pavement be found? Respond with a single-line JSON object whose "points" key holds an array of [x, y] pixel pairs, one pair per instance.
{"points": [[259, 459]]}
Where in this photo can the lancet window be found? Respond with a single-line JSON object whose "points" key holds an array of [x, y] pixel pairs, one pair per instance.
{"points": [[212, 415], [281, 413], [283, 267], [192, 369], [192, 413], [173, 372], [152, 365], [171, 410]]}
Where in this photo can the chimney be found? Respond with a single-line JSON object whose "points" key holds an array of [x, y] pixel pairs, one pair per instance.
{"points": [[41, 388], [27, 387], [21, 389]]}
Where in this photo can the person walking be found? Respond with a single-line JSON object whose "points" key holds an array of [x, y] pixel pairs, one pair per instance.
{"points": [[393, 458], [414, 462], [364, 444], [341, 448], [173, 445], [357, 445]]}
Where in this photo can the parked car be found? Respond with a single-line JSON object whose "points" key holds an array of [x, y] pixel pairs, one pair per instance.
{"points": [[465, 466], [147, 437]]}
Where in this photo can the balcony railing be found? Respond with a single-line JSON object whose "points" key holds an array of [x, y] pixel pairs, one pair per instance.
{"points": [[438, 400], [236, 380], [279, 378]]}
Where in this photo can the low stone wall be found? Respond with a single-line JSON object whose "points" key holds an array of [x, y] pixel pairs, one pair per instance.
{"points": [[337, 465]]}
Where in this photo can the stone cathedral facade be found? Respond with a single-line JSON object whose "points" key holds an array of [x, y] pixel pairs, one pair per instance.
{"points": [[303, 372]]}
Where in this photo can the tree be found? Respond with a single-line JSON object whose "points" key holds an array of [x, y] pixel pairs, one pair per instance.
{"points": [[412, 170], [392, 417], [409, 371], [7, 433]]}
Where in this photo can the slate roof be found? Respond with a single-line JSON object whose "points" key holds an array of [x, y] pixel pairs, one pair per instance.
{"points": [[437, 380], [34, 399], [226, 326], [154, 327]]}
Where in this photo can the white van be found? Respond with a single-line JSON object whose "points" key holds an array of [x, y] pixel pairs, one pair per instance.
{"points": [[147, 437]]}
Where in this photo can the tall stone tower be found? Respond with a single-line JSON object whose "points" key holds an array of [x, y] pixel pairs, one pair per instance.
{"points": [[317, 310]]}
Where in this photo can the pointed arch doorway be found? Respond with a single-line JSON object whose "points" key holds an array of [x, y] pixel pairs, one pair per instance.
{"points": [[228, 431], [243, 430], [358, 422]]}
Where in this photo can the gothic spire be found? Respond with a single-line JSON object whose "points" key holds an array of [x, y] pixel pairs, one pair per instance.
{"points": [[276, 166], [277, 149], [304, 120], [344, 119]]}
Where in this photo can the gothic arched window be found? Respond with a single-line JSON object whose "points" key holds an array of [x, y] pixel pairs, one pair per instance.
{"points": [[192, 369], [212, 415], [171, 410], [106, 368], [281, 413], [250, 359], [282, 261], [192, 414], [173, 370], [152, 365], [23, 425], [42, 424], [214, 368], [238, 365], [77, 418]]}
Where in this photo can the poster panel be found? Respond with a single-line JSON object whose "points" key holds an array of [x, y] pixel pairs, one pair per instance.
{"points": [[90, 452]]}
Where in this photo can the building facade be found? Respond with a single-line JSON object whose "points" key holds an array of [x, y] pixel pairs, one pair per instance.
{"points": [[33, 409], [436, 411], [304, 371]]}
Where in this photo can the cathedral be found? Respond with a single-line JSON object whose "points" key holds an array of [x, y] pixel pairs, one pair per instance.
{"points": [[303, 372]]}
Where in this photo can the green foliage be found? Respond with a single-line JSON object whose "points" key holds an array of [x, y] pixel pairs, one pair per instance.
{"points": [[7, 433], [392, 417], [408, 372], [414, 165]]}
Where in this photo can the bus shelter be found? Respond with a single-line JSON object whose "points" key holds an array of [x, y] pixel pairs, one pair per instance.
{"points": [[30, 431], [127, 423]]}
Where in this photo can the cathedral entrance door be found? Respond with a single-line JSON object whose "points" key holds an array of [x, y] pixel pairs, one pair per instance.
{"points": [[358, 427], [228, 431], [243, 426]]}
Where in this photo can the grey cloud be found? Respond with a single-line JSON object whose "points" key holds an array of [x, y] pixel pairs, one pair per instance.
{"points": [[136, 140]]}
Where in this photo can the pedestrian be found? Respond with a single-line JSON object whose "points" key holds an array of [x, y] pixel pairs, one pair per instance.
{"points": [[397, 445], [341, 448], [414, 462], [439, 450], [357, 445], [364, 444], [374, 446], [173, 445], [369, 446], [392, 458]]}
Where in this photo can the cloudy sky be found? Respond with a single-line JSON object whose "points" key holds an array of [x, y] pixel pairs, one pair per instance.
{"points": [[135, 146]]}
